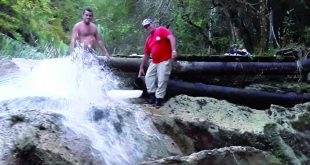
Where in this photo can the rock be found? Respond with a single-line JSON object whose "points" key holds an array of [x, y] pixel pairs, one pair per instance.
{"points": [[30, 136], [202, 123], [297, 53], [7, 66], [210, 131], [234, 155]]}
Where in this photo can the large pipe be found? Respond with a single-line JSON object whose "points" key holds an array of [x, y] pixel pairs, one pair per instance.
{"points": [[204, 68], [252, 98]]}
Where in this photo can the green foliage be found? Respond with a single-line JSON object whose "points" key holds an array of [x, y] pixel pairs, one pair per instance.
{"points": [[288, 30], [101, 31], [271, 52], [199, 26], [9, 23], [14, 48], [222, 43], [47, 24], [192, 11], [32, 21], [115, 25], [306, 36]]}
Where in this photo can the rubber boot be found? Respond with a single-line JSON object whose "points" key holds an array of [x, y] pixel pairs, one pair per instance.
{"points": [[151, 99], [159, 102]]}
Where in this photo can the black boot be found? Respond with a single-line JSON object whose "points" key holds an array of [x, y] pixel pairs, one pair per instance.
{"points": [[159, 102], [151, 99]]}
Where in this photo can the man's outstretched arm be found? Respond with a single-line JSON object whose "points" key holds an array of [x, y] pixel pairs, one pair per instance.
{"points": [[74, 36], [101, 45]]}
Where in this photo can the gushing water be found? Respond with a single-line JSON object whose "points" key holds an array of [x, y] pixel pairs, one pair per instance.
{"points": [[115, 128]]}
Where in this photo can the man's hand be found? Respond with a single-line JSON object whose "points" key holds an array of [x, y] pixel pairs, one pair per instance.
{"points": [[141, 72], [106, 58], [73, 56], [174, 55]]}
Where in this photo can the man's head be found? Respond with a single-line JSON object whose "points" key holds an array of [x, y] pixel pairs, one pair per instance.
{"points": [[148, 24], [87, 15]]}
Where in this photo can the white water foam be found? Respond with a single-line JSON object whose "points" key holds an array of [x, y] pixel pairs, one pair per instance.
{"points": [[84, 87]]}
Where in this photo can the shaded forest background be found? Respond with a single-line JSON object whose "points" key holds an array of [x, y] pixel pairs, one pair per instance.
{"points": [[202, 27]]}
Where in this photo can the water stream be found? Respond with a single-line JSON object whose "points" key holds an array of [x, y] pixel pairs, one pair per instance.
{"points": [[120, 133]]}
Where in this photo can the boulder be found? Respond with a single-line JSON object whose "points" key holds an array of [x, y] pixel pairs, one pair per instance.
{"points": [[234, 155], [7, 66], [35, 130], [202, 123], [30, 136]]}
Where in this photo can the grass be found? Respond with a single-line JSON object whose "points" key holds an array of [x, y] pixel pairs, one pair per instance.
{"points": [[17, 49]]}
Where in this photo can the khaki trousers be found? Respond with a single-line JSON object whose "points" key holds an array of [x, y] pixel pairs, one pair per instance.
{"points": [[157, 76]]}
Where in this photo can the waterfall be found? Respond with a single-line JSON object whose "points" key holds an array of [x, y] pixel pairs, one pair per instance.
{"points": [[117, 129]]}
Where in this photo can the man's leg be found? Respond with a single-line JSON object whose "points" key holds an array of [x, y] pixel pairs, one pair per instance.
{"points": [[150, 82], [163, 73]]}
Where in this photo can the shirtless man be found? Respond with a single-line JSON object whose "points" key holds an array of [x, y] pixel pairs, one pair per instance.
{"points": [[85, 35]]}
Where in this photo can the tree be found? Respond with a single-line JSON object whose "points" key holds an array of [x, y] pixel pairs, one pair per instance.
{"points": [[201, 27]]}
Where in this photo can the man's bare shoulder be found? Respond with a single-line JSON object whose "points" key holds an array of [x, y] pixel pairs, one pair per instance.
{"points": [[93, 25], [79, 24]]}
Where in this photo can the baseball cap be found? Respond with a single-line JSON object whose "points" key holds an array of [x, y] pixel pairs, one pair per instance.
{"points": [[146, 21]]}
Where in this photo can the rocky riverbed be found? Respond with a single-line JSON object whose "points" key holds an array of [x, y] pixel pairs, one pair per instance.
{"points": [[185, 130], [207, 125]]}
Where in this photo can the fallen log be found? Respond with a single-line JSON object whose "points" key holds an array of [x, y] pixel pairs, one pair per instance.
{"points": [[203, 68], [251, 98]]}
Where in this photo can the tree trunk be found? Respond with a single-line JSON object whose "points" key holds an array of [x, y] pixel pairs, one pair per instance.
{"points": [[263, 25], [272, 37], [210, 29]]}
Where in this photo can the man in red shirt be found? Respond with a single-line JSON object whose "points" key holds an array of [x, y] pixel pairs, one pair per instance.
{"points": [[161, 46]]}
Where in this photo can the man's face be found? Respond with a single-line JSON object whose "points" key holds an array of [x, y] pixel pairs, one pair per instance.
{"points": [[87, 17], [149, 28]]}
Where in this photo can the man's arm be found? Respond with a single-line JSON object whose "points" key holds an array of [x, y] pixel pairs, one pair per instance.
{"points": [[145, 59], [74, 36], [101, 45], [173, 46]]}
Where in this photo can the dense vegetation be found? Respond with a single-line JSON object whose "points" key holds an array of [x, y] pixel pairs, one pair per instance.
{"points": [[201, 27]]}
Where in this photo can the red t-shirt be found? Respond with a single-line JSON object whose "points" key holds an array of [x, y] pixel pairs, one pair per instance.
{"points": [[158, 45]]}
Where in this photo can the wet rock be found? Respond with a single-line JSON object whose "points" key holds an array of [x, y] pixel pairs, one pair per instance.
{"points": [[30, 136], [202, 123], [7, 66], [234, 155], [132, 127], [297, 53], [207, 129]]}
